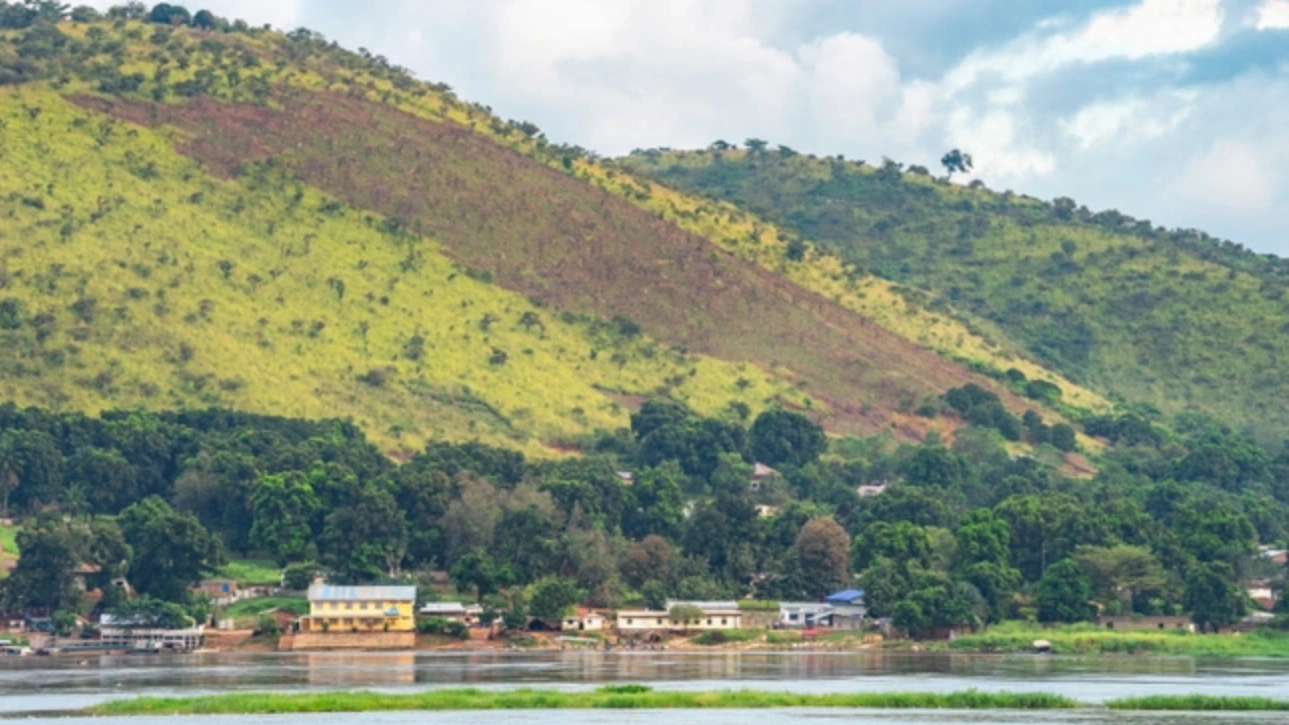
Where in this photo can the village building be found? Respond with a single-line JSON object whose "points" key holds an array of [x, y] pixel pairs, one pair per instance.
{"points": [[1137, 622], [848, 609], [760, 472], [869, 490], [585, 620], [133, 635], [449, 611], [805, 615], [715, 615], [1262, 594], [360, 609]]}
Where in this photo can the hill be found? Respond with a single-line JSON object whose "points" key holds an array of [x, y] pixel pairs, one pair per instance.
{"points": [[1173, 320], [273, 224]]}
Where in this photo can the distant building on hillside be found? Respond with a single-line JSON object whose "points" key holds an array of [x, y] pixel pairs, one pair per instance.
{"points": [[760, 472], [869, 490], [451, 611], [363, 609], [715, 615]]}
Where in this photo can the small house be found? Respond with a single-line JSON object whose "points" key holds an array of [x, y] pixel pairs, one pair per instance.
{"points": [[369, 609], [760, 472], [848, 609], [805, 615], [585, 620], [450, 611], [869, 490]]}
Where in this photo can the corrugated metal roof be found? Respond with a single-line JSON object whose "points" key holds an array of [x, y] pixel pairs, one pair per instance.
{"points": [[705, 606], [329, 593], [848, 595], [434, 607]]}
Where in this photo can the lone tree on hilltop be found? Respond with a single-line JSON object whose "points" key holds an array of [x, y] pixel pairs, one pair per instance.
{"points": [[955, 160]]}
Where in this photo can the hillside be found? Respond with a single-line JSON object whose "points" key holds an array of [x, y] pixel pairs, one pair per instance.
{"points": [[273, 224], [1173, 320]]}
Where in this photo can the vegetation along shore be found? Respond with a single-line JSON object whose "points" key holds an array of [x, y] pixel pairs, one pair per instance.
{"points": [[641, 697]]}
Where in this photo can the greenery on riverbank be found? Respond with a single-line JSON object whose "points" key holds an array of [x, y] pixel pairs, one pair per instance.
{"points": [[1199, 703], [614, 697], [1089, 639]]}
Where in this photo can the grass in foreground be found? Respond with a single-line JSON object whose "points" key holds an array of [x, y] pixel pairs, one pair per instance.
{"points": [[615, 697], [1199, 703], [1089, 639]]}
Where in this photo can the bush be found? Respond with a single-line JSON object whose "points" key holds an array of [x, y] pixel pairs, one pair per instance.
{"points": [[438, 625], [298, 577], [266, 625]]}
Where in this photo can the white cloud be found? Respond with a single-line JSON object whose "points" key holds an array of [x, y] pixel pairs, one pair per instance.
{"points": [[1129, 121], [1149, 28], [995, 140], [1231, 175], [1272, 15]]}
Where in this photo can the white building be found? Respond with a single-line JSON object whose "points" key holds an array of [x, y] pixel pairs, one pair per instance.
{"points": [[807, 615], [128, 635], [584, 622], [715, 615]]}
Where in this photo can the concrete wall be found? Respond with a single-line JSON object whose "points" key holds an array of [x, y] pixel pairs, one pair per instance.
{"points": [[353, 640]]}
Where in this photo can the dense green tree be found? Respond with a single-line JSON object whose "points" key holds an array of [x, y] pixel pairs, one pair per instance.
{"points": [[550, 597], [1064, 594], [365, 540], [1213, 597], [476, 571], [781, 437], [656, 502], [45, 576], [822, 552], [901, 542], [171, 550], [934, 466], [284, 507]]}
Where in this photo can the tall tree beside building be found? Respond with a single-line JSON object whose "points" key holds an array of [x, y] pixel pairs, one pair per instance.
{"points": [[823, 552]]}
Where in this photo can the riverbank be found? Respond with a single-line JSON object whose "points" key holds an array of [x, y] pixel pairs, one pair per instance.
{"points": [[639, 697]]}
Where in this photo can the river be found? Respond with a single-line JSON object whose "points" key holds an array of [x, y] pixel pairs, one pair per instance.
{"points": [[43, 684]]}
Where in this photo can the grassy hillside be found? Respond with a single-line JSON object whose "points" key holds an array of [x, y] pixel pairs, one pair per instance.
{"points": [[1170, 319], [132, 278], [273, 224]]}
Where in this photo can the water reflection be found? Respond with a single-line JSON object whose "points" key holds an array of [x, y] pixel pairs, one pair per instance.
{"points": [[59, 683]]}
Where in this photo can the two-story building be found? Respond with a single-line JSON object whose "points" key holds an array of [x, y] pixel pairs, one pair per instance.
{"points": [[361, 609]]}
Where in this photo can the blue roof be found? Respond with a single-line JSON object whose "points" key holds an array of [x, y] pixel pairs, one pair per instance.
{"points": [[329, 593], [848, 595]]}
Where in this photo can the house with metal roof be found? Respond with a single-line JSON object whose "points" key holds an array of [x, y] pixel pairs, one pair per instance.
{"points": [[360, 609]]}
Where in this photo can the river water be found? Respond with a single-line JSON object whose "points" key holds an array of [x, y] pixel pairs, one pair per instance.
{"points": [[42, 684]]}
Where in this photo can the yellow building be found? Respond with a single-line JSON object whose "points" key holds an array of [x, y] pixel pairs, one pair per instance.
{"points": [[360, 609]]}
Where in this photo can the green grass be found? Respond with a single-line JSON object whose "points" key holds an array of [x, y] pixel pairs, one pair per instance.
{"points": [[9, 539], [615, 697], [252, 571], [1089, 639], [251, 607], [1199, 703], [728, 636]]}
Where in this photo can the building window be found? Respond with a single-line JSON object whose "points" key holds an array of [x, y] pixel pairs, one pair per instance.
{"points": [[628, 621], [349, 605], [709, 622], [723, 622], [362, 605]]}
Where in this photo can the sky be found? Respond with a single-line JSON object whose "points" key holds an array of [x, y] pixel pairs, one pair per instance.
{"points": [[1175, 111]]}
